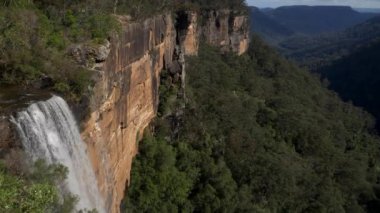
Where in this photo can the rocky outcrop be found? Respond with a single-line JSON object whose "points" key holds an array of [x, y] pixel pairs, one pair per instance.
{"points": [[126, 95], [226, 29], [222, 28]]}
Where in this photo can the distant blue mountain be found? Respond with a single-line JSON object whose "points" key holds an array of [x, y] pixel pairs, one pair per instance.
{"points": [[317, 51], [265, 9], [317, 19], [368, 10], [266, 27]]}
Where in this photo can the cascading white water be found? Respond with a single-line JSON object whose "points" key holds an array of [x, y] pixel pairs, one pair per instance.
{"points": [[48, 131]]}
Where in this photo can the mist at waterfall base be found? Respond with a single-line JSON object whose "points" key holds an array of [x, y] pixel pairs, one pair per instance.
{"points": [[48, 131]]}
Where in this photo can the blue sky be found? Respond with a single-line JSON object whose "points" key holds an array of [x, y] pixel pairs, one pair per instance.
{"points": [[352, 3]]}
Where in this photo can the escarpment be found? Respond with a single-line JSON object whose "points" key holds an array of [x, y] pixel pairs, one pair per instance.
{"points": [[126, 95]]}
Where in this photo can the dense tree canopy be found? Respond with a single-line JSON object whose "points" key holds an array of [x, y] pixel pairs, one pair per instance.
{"points": [[258, 134]]}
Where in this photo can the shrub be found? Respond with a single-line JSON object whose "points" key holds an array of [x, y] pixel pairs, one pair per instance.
{"points": [[35, 190], [61, 87]]}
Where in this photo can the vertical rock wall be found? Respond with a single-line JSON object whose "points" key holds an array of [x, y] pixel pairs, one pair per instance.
{"points": [[126, 95], [125, 100]]}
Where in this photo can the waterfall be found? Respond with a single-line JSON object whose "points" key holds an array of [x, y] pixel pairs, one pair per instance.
{"points": [[48, 131]]}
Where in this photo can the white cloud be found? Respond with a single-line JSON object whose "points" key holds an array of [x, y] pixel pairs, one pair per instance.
{"points": [[353, 3]]}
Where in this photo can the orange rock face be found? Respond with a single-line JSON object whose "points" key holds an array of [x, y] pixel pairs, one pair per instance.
{"points": [[125, 101], [190, 36], [239, 38], [126, 95]]}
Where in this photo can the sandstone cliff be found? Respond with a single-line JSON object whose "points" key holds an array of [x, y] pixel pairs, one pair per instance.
{"points": [[125, 100], [126, 95]]}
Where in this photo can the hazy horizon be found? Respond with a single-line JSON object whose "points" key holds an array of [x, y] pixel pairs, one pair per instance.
{"points": [[367, 4]]}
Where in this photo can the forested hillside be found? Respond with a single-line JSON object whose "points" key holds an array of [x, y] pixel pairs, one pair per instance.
{"points": [[347, 59], [257, 134], [357, 78], [317, 51]]}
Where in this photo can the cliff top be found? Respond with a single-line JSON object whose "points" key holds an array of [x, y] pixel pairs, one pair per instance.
{"points": [[16, 97]]}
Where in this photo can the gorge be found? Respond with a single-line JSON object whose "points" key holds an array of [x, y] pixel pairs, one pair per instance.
{"points": [[171, 106]]}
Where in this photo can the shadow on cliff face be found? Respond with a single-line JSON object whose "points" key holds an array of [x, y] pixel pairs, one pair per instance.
{"points": [[182, 23]]}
